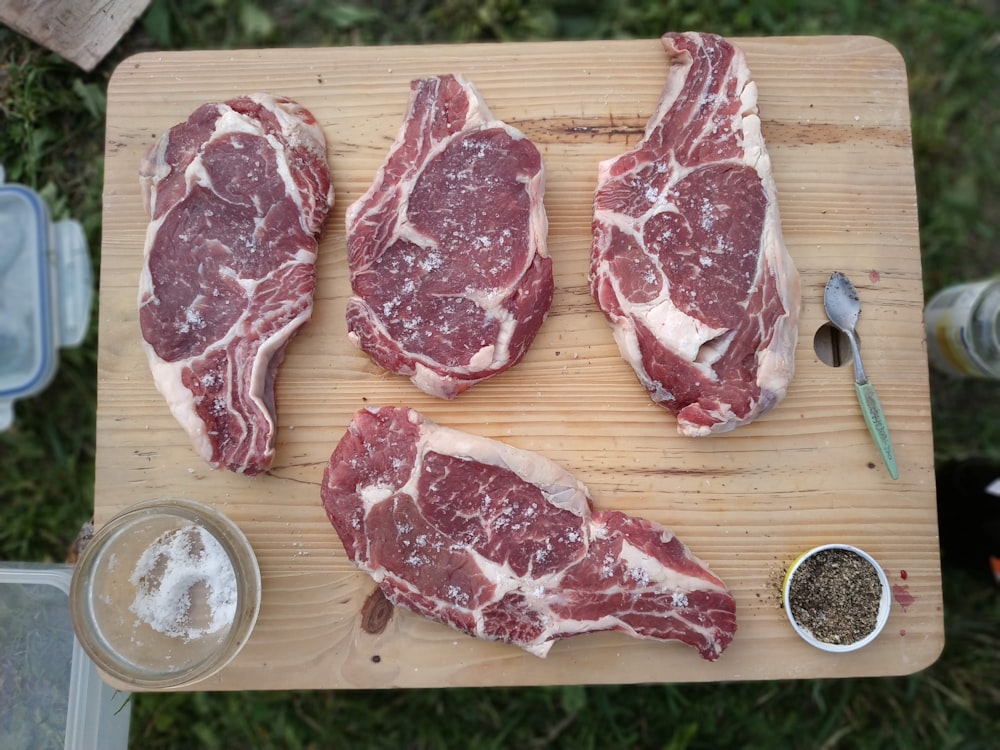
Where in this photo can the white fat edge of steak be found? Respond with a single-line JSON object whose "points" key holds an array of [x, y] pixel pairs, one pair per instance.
{"points": [[180, 401], [433, 383], [558, 486], [776, 363], [494, 356], [651, 573], [153, 169]]}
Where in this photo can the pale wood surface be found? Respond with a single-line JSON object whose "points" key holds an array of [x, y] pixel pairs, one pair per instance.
{"points": [[82, 31], [836, 120]]}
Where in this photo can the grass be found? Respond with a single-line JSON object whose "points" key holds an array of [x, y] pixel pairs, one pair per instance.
{"points": [[52, 117]]}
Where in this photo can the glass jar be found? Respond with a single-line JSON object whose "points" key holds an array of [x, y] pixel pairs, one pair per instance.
{"points": [[963, 329], [107, 595]]}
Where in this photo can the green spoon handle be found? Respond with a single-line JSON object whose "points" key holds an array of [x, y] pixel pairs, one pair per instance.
{"points": [[875, 419]]}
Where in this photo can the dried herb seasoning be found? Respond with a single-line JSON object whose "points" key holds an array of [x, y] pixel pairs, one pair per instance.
{"points": [[835, 595]]}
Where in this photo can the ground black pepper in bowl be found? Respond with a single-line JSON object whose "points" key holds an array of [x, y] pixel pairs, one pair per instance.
{"points": [[835, 594]]}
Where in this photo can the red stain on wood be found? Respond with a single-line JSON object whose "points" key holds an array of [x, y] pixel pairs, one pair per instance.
{"points": [[902, 595]]}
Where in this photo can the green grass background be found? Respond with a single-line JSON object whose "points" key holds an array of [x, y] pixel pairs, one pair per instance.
{"points": [[52, 122]]}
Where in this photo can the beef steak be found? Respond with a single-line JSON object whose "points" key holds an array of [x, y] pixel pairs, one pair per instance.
{"points": [[237, 196], [688, 260], [447, 249], [503, 544]]}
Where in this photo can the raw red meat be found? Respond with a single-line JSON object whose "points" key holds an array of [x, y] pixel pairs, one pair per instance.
{"points": [[688, 260], [237, 197], [447, 249], [503, 544]]}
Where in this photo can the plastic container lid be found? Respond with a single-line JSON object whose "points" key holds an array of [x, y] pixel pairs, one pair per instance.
{"points": [[50, 691], [45, 293]]}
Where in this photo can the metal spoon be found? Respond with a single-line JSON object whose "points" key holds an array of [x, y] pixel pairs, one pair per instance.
{"points": [[843, 308]]}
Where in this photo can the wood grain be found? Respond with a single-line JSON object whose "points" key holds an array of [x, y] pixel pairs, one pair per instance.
{"points": [[82, 31], [836, 120]]}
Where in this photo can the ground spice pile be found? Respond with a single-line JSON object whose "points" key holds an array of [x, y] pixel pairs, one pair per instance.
{"points": [[835, 595]]}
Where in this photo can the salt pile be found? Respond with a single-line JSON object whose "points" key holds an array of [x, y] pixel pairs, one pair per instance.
{"points": [[185, 585]]}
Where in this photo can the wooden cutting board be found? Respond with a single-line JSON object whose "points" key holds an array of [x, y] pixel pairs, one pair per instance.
{"points": [[836, 120]]}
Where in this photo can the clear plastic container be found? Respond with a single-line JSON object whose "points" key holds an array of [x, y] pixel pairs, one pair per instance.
{"points": [[963, 329], [51, 694], [46, 289]]}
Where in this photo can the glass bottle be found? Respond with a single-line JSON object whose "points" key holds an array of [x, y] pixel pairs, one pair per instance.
{"points": [[963, 329]]}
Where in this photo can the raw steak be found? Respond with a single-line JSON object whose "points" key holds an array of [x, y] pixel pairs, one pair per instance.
{"points": [[447, 249], [237, 197], [503, 544], [688, 260]]}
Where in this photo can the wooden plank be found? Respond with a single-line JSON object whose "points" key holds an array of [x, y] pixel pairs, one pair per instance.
{"points": [[82, 31], [836, 119]]}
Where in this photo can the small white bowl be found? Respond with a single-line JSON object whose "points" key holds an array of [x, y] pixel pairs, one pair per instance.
{"points": [[885, 602], [125, 642]]}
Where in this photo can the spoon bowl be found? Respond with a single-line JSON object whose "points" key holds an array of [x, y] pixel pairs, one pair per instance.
{"points": [[843, 307]]}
